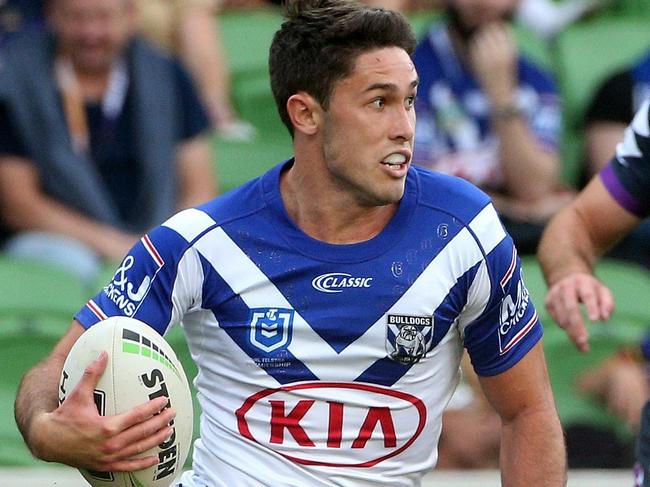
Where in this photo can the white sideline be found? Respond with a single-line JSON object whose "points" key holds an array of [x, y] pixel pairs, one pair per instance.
{"points": [[67, 477]]}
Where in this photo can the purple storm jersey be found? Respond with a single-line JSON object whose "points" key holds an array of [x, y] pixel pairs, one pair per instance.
{"points": [[627, 176], [453, 133], [321, 364]]}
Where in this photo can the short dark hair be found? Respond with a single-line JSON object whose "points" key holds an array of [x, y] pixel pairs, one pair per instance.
{"points": [[319, 42]]}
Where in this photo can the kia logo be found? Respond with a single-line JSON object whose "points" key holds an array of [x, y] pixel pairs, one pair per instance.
{"points": [[305, 424], [336, 282]]}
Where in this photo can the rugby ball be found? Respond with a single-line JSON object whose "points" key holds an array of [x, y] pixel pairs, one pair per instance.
{"points": [[141, 366]]}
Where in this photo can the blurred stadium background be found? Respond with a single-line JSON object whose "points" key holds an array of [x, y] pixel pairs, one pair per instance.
{"points": [[37, 302]]}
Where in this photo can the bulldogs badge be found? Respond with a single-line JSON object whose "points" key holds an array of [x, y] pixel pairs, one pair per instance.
{"points": [[408, 338]]}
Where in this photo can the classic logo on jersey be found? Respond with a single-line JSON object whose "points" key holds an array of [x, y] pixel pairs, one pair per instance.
{"points": [[408, 338], [123, 290], [333, 424], [337, 282], [271, 328], [513, 310]]}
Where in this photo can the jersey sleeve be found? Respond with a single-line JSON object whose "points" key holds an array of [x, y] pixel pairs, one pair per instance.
{"points": [[627, 176], [500, 324], [158, 282]]}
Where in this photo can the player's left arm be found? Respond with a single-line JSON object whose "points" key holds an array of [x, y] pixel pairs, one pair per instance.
{"points": [[532, 442]]}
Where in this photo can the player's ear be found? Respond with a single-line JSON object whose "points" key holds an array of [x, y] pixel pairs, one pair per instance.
{"points": [[304, 112]]}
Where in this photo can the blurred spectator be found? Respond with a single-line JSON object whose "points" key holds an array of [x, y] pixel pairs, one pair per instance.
{"points": [[20, 15], [612, 109], [101, 137], [489, 115], [189, 28], [609, 113], [621, 382]]}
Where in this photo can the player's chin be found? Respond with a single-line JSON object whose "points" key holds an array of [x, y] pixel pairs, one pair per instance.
{"points": [[389, 196]]}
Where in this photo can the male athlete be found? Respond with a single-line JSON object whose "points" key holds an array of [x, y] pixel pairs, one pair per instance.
{"points": [[294, 288]]}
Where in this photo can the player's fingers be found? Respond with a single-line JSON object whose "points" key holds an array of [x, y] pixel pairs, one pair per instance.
{"points": [[142, 431], [573, 322], [137, 447], [140, 413], [128, 465], [588, 294], [606, 300], [91, 375]]}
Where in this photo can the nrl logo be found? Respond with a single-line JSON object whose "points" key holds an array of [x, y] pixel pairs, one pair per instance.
{"points": [[408, 338], [270, 328]]}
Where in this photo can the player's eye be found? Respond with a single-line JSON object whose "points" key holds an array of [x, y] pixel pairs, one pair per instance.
{"points": [[378, 103], [409, 102]]}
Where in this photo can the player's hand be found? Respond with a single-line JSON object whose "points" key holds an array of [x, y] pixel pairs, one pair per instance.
{"points": [[75, 433], [493, 57], [563, 301]]}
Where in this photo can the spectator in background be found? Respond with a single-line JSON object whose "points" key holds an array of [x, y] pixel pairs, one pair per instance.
{"points": [[489, 115], [189, 28], [20, 15], [101, 138], [610, 111]]}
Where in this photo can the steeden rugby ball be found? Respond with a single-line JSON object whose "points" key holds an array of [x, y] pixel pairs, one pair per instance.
{"points": [[141, 366]]}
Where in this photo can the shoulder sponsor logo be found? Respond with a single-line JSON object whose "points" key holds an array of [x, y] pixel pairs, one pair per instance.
{"points": [[126, 292], [513, 310], [305, 424], [337, 282], [408, 338]]}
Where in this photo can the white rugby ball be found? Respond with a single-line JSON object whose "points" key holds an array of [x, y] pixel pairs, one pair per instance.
{"points": [[141, 366]]}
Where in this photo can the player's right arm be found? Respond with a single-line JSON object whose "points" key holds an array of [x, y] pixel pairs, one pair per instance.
{"points": [[74, 433], [570, 246]]}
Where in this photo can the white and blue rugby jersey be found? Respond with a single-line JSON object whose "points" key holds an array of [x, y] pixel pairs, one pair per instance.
{"points": [[627, 176], [321, 364]]}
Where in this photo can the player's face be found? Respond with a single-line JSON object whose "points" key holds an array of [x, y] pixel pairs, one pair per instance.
{"points": [[92, 32], [369, 126]]}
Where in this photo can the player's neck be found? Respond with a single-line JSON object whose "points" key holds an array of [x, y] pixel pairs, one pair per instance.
{"points": [[327, 215]]}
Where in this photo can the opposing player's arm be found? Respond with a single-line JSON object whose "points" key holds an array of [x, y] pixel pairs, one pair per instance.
{"points": [[569, 249], [532, 444], [74, 433]]}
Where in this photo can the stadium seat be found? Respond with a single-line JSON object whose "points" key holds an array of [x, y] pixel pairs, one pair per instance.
{"points": [[20, 349], [584, 55], [37, 306], [33, 291], [239, 162]]}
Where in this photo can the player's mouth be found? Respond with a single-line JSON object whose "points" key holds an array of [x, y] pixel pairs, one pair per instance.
{"points": [[397, 162]]}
